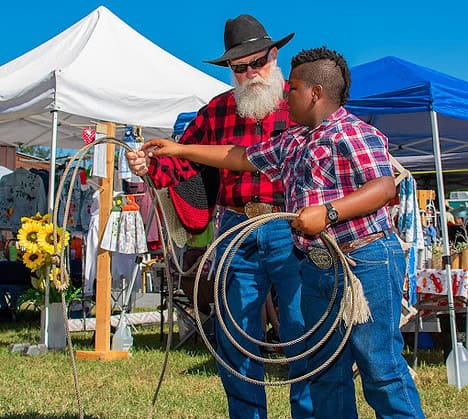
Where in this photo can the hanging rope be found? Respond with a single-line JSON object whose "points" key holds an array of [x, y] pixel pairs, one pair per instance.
{"points": [[58, 260]]}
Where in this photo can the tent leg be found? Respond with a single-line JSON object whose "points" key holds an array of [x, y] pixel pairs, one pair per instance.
{"points": [[50, 208], [445, 242], [416, 334]]}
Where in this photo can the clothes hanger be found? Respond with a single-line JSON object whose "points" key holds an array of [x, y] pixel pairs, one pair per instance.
{"points": [[130, 205], [403, 173]]}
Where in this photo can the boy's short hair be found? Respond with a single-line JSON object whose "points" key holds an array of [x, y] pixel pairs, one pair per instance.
{"points": [[327, 68]]}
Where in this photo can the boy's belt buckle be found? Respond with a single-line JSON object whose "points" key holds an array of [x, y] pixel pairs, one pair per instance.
{"points": [[253, 209], [320, 257]]}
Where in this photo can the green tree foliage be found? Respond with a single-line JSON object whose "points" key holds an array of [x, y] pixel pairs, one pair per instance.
{"points": [[36, 151]]}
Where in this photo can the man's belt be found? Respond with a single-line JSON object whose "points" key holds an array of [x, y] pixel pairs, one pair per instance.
{"points": [[253, 209]]}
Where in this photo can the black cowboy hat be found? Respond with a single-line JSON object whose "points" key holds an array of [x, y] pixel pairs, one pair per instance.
{"points": [[244, 36]]}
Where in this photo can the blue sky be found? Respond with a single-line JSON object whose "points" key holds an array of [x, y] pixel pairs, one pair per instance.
{"points": [[428, 33]]}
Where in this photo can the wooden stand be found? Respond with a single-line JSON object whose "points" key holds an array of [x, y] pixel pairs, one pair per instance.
{"points": [[102, 350]]}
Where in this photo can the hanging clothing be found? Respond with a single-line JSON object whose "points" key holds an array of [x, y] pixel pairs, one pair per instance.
{"points": [[4, 171], [145, 202], [73, 222], [22, 194], [131, 233], [91, 246], [124, 170], [203, 239], [410, 228], [121, 264], [132, 237], [44, 175], [110, 238], [85, 208]]}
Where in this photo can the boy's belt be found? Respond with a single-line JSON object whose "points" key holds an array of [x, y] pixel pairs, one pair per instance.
{"points": [[324, 260], [355, 244]]}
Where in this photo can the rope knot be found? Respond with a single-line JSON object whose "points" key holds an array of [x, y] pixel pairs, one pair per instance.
{"points": [[55, 259]]}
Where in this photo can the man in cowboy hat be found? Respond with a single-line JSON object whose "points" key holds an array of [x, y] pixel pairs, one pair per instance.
{"points": [[254, 111]]}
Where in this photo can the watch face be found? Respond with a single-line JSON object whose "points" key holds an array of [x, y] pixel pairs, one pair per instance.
{"points": [[332, 213]]}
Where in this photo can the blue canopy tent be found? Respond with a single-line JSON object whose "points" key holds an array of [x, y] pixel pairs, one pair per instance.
{"points": [[423, 113], [398, 96]]}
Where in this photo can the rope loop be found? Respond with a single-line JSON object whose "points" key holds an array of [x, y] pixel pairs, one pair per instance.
{"points": [[349, 313]]}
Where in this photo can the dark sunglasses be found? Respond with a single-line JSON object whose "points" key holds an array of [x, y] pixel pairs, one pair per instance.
{"points": [[257, 63]]}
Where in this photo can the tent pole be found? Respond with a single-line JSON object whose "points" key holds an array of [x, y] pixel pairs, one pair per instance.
{"points": [[50, 210], [445, 242]]}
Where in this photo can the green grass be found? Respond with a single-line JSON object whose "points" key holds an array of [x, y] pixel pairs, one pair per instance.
{"points": [[42, 386]]}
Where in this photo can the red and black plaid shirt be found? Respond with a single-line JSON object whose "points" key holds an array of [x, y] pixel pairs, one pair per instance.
{"points": [[219, 123]]}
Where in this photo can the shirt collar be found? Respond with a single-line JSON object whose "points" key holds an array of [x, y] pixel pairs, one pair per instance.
{"points": [[331, 119]]}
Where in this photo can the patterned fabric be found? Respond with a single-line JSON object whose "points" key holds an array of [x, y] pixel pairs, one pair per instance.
{"points": [[326, 163], [410, 228], [110, 238], [22, 194], [124, 170], [87, 198], [145, 202], [131, 232], [124, 232], [74, 212], [434, 281], [218, 123]]}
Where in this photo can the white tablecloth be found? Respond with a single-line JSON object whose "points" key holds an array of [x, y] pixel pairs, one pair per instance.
{"points": [[434, 281]]}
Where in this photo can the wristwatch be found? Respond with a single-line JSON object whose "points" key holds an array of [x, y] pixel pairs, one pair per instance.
{"points": [[332, 213]]}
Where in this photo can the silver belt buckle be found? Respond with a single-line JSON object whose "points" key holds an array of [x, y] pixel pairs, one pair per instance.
{"points": [[253, 209], [320, 257]]}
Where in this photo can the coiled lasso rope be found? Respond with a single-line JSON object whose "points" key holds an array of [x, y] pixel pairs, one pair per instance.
{"points": [[353, 307]]}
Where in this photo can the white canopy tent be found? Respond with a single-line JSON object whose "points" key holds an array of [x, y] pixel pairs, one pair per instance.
{"points": [[98, 70]]}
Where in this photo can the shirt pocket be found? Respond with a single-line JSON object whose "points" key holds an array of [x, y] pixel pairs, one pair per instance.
{"points": [[317, 170]]}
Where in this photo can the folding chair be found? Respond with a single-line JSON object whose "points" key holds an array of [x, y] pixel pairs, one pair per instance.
{"points": [[183, 297]]}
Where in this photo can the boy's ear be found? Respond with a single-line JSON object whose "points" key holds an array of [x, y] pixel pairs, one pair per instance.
{"points": [[317, 91]]}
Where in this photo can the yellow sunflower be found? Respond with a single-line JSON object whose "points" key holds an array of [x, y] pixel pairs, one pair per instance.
{"points": [[33, 260], [46, 238], [28, 236]]}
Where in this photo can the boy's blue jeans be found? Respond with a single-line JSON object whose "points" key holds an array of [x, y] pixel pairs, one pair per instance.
{"points": [[376, 346], [266, 258]]}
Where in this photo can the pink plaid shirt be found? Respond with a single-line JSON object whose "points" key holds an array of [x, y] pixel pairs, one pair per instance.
{"points": [[326, 163]]}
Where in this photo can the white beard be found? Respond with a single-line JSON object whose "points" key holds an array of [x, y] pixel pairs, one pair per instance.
{"points": [[257, 97]]}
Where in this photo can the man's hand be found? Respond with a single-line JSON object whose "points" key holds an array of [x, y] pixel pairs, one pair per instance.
{"points": [[138, 162]]}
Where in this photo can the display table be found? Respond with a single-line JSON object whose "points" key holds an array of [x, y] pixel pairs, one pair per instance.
{"points": [[432, 289], [434, 281]]}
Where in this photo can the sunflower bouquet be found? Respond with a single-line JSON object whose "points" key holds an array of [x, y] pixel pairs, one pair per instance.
{"points": [[36, 239]]}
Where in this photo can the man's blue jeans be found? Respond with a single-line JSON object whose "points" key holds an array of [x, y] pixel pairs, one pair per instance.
{"points": [[265, 258], [375, 346]]}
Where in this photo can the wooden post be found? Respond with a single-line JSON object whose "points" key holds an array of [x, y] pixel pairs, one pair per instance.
{"points": [[103, 272]]}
